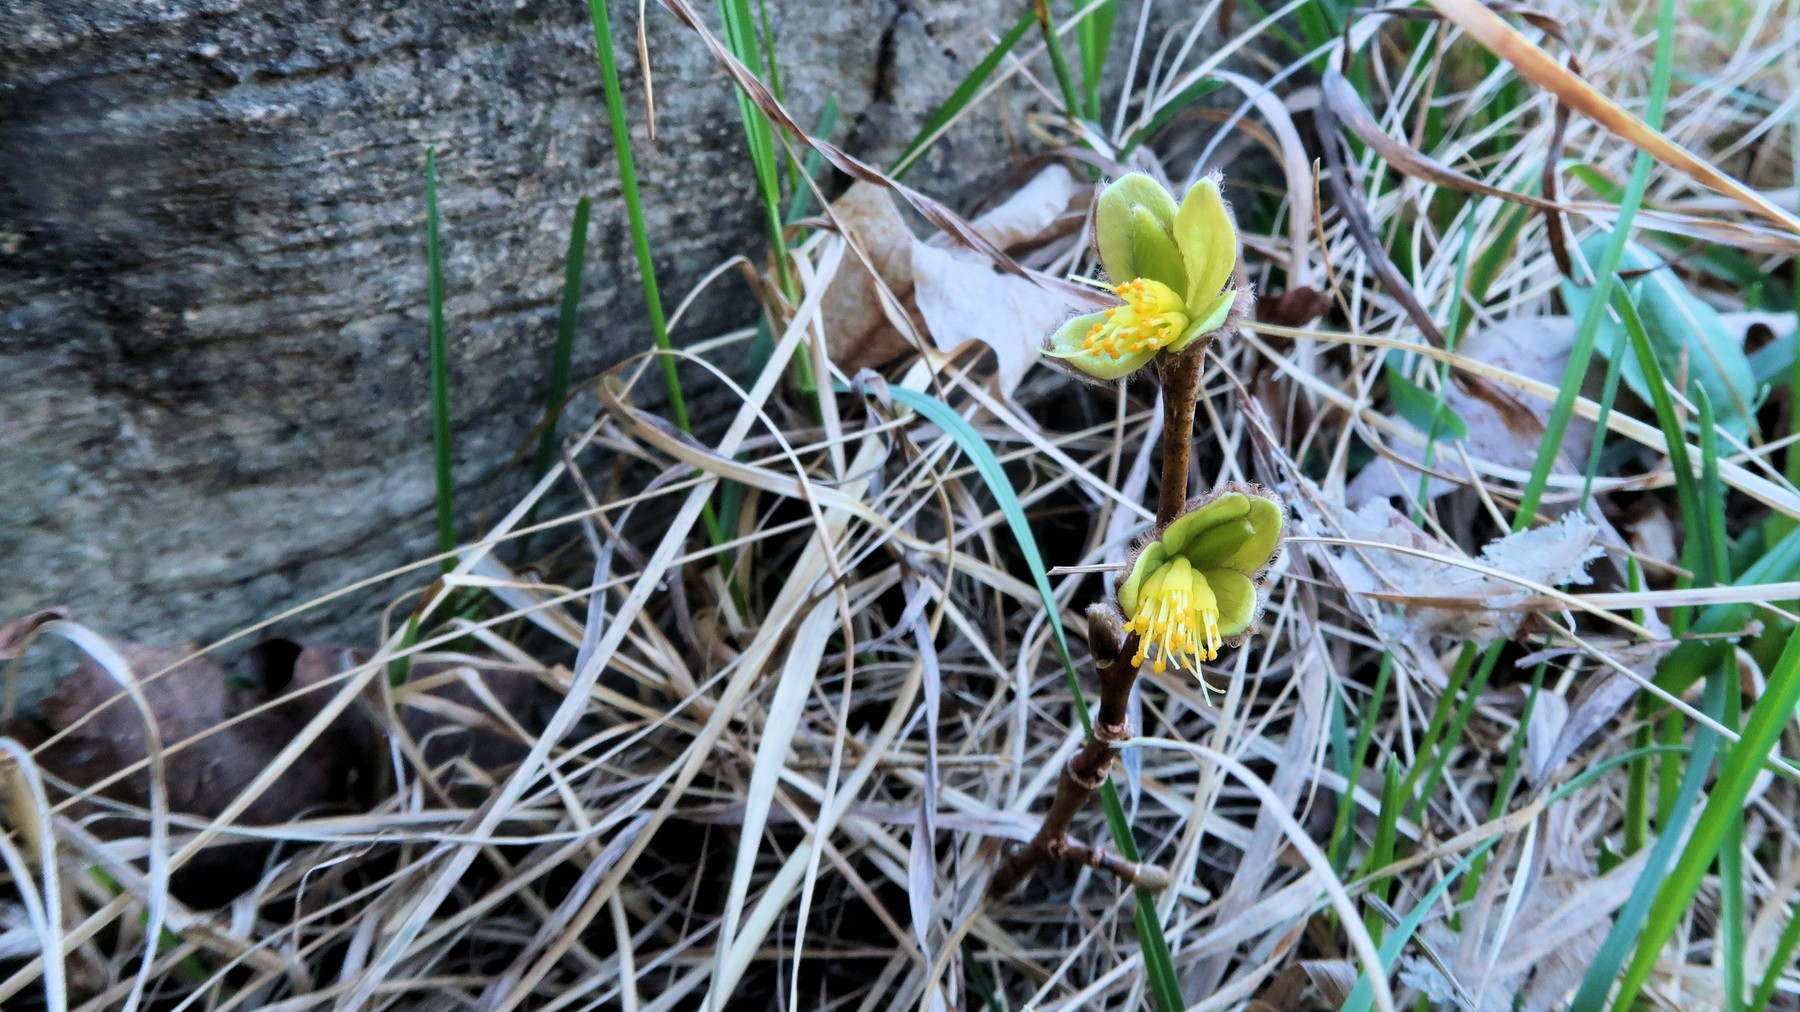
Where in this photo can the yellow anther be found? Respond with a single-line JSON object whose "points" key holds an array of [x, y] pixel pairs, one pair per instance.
{"points": [[1152, 317], [1178, 615]]}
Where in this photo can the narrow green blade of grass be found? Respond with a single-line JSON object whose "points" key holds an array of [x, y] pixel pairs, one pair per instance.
{"points": [[962, 96], [1731, 850], [1381, 852], [634, 205], [759, 135], [442, 452], [1724, 808], [573, 266], [1582, 352], [1158, 963], [1359, 754], [1627, 923], [1094, 36], [800, 201], [640, 245], [1778, 961], [1059, 63]]}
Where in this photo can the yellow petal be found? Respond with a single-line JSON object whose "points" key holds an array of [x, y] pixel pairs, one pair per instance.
{"points": [[1115, 220], [1236, 597], [1207, 240], [1148, 561]]}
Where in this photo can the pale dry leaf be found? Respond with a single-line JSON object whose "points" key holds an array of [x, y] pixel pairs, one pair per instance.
{"points": [[1602, 694], [963, 298], [1534, 347], [1040, 210], [1438, 597], [1549, 718]]}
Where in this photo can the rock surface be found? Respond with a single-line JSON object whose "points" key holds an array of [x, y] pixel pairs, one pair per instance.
{"points": [[213, 391]]}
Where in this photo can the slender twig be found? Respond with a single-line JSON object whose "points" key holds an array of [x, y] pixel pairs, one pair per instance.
{"points": [[1087, 769], [1180, 375]]}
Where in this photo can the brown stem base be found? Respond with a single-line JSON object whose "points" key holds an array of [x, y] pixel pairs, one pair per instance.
{"points": [[1086, 770]]}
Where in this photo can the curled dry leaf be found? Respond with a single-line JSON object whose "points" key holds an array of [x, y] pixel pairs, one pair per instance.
{"points": [[858, 330], [1295, 307], [16, 635], [1442, 597], [957, 294]]}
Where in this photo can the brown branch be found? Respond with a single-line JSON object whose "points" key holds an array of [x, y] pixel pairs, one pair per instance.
{"points": [[1180, 374], [1087, 769]]}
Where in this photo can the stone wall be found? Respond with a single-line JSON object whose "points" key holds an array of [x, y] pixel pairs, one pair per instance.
{"points": [[213, 398]]}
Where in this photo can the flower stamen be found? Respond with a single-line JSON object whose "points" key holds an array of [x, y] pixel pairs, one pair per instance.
{"points": [[1178, 615], [1151, 319]]}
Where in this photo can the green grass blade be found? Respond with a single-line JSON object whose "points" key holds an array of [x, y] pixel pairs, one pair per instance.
{"points": [[573, 266], [640, 245], [1724, 807], [1731, 849], [1059, 63], [1778, 960], [442, 454], [800, 201], [1094, 34], [1604, 968], [962, 96], [1359, 754], [1158, 963], [1582, 353], [634, 206], [759, 135], [1381, 853]]}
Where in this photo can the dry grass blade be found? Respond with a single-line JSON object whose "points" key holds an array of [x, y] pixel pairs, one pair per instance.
{"points": [[639, 767], [1537, 66]]}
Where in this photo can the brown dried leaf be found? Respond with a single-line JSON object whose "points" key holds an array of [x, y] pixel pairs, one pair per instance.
{"points": [[1296, 307], [458, 711], [858, 330], [190, 701], [959, 294]]}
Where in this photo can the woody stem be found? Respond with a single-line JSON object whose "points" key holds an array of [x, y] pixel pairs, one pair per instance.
{"points": [[1087, 769], [1180, 375]]}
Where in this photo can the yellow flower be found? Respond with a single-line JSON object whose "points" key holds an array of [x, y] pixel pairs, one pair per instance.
{"points": [[1170, 265], [1196, 585]]}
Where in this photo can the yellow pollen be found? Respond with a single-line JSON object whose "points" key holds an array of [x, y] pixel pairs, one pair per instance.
{"points": [[1178, 615], [1152, 317]]}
